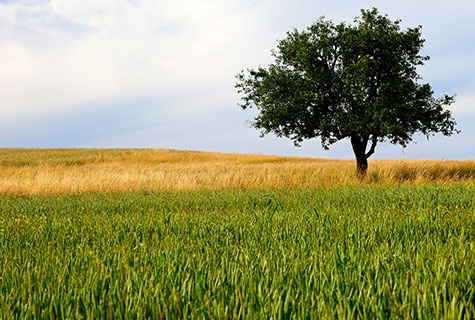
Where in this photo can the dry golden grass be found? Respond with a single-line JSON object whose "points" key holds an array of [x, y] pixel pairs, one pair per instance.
{"points": [[49, 171]]}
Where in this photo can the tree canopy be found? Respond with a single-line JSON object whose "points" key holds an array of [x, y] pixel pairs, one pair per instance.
{"points": [[347, 81]]}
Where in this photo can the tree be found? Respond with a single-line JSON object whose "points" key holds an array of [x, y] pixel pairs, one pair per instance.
{"points": [[347, 81]]}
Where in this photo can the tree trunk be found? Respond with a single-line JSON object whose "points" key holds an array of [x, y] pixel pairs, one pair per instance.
{"points": [[359, 148], [361, 166]]}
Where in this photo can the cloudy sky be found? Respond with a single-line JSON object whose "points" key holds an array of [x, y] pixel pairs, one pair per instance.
{"points": [[160, 73]]}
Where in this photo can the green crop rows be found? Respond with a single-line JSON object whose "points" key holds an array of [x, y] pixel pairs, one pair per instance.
{"points": [[341, 252]]}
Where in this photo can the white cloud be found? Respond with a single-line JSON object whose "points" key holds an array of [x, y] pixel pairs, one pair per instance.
{"points": [[35, 83], [67, 56], [123, 48], [464, 105]]}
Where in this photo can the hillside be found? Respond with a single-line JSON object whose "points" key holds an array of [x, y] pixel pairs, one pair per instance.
{"points": [[56, 171]]}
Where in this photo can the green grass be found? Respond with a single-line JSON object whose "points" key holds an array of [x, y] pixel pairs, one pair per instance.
{"points": [[341, 252]]}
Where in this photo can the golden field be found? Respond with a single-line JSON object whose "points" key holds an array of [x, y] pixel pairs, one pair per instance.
{"points": [[54, 171]]}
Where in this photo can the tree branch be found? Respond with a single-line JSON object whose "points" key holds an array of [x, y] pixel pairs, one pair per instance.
{"points": [[335, 60], [374, 141], [342, 136]]}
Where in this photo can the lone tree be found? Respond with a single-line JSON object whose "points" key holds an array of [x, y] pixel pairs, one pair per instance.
{"points": [[356, 81]]}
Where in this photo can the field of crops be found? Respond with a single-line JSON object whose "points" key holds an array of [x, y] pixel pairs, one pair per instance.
{"points": [[56, 171], [347, 250]]}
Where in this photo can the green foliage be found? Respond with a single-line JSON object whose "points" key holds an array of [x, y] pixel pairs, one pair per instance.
{"points": [[341, 252], [337, 81]]}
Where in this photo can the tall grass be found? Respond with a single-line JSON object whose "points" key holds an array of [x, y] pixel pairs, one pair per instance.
{"points": [[336, 252], [124, 233], [32, 171]]}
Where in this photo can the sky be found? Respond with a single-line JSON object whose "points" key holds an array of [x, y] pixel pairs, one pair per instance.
{"points": [[161, 73]]}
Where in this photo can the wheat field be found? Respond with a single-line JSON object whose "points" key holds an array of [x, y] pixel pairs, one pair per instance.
{"points": [[233, 236], [59, 171]]}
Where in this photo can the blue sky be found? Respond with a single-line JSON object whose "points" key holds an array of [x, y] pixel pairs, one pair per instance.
{"points": [[160, 73]]}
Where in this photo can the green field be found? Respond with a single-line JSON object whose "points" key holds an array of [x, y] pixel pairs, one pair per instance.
{"points": [[339, 252]]}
